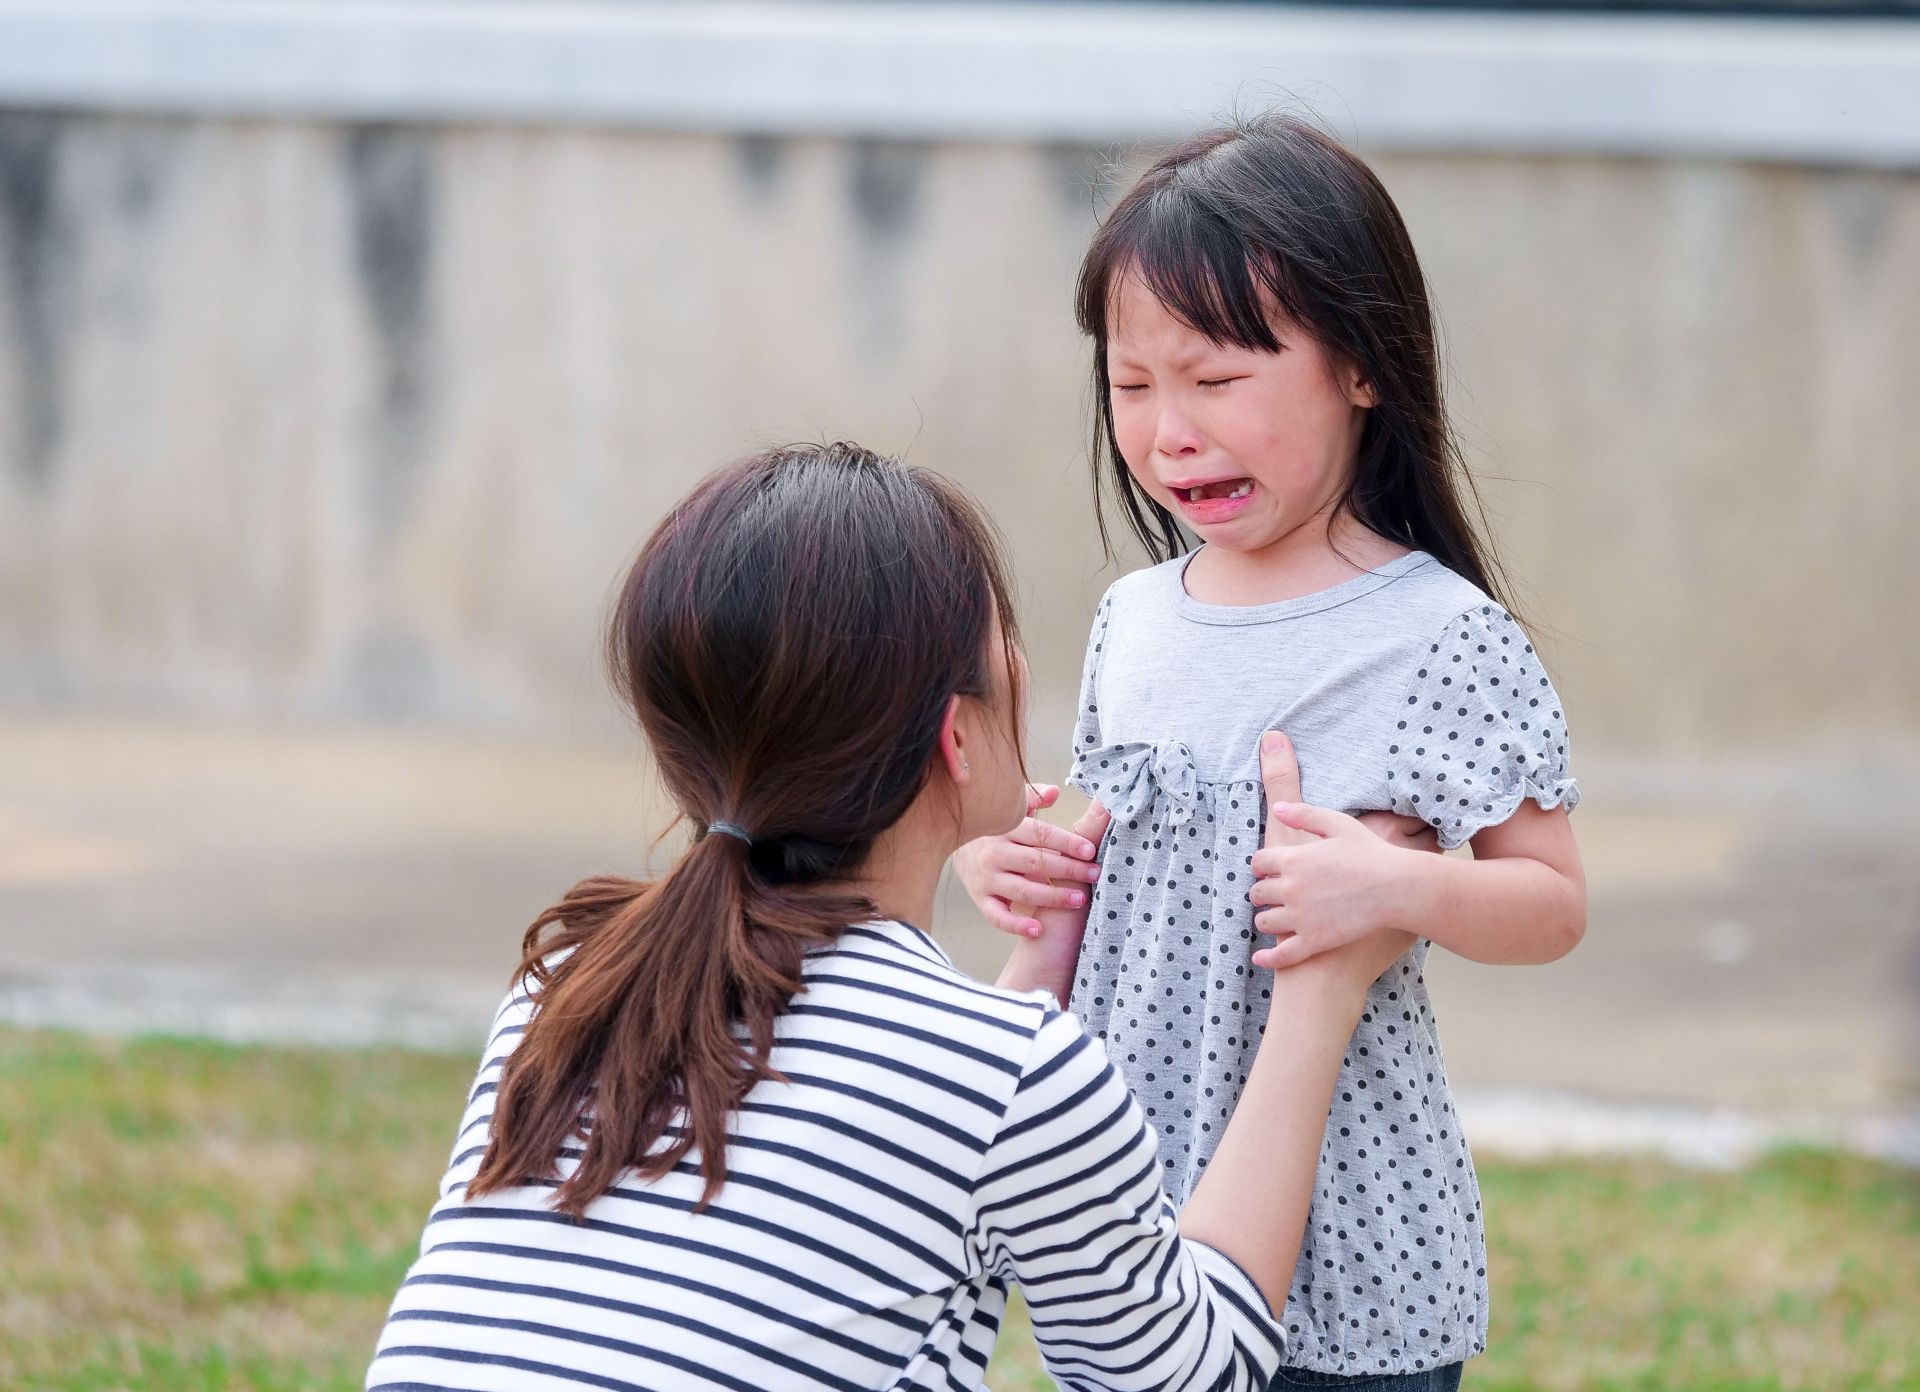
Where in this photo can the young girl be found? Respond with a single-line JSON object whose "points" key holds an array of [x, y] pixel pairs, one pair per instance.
{"points": [[1266, 377]]}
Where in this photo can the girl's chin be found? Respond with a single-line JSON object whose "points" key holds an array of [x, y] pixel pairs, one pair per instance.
{"points": [[1244, 536]]}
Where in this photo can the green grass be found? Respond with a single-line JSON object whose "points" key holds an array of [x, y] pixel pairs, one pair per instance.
{"points": [[180, 1216]]}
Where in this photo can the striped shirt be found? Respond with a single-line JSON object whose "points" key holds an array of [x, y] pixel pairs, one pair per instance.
{"points": [[934, 1142]]}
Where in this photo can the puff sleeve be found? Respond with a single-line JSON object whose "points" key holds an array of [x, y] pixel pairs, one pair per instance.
{"points": [[1480, 730]]}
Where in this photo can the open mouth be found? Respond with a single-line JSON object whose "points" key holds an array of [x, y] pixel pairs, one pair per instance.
{"points": [[1220, 489]]}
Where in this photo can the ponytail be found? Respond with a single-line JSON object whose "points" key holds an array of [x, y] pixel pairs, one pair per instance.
{"points": [[640, 989], [654, 1003]]}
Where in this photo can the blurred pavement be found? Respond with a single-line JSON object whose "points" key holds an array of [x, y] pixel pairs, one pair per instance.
{"points": [[341, 886]]}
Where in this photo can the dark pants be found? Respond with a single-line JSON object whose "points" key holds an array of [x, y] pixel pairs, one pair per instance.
{"points": [[1445, 1379]]}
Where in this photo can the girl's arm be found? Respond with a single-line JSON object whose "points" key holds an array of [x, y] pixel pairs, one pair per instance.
{"points": [[1521, 900], [1480, 755]]}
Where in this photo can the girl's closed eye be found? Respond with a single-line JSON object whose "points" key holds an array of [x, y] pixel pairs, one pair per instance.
{"points": [[1210, 383]]}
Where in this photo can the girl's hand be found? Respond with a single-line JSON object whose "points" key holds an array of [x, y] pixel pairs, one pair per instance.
{"points": [[1324, 879], [1012, 878]]}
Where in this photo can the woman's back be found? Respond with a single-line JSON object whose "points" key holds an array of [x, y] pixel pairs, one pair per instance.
{"points": [[933, 1139], [746, 1129]]}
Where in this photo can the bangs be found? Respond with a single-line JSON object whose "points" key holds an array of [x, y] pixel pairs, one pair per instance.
{"points": [[1194, 264]]}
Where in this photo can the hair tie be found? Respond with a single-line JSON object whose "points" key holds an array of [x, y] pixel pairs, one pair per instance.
{"points": [[729, 829]]}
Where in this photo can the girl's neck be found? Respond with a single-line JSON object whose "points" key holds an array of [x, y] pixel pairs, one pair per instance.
{"points": [[1317, 555]]}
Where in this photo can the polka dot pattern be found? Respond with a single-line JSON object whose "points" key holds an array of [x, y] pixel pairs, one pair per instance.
{"points": [[1480, 730], [1392, 1277]]}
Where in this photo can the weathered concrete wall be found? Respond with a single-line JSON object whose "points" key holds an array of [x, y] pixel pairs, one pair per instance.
{"points": [[327, 420]]}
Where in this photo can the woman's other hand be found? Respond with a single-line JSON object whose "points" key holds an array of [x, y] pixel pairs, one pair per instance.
{"points": [[1013, 879]]}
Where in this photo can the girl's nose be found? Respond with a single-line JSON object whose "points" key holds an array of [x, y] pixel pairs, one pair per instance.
{"points": [[1174, 435]]}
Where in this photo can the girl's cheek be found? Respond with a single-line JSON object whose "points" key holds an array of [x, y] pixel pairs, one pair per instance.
{"points": [[1144, 481], [1134, 449]]}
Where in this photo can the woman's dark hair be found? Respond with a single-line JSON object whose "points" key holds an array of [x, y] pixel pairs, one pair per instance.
{"points": [[790, 638], [1272, 213]]}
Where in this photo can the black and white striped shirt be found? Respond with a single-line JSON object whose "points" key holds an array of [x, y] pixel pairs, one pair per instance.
{"points": [[935, 1141]]}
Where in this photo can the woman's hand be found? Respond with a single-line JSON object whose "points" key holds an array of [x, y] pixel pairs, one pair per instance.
{"points": [[1408, 833], [1013, 878], [1045, 960], [1325, 880]]}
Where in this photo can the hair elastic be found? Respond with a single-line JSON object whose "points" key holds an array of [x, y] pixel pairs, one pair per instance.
{"points": [[729, 829]]}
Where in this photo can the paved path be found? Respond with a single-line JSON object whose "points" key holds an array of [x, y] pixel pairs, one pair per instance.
{"points": [[345, 886]]}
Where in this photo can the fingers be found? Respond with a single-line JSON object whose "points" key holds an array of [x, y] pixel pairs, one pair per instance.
{"points": [[1047, 836], [1280, 776], [1041, 795], [1288, 952], [1061, 867], [1038, 865], [1268, 890], [1035, 867], [1315, 822], [1009, 919], [1017, 889], [1269, 861]]}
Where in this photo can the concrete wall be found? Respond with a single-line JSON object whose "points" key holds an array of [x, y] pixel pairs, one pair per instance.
{"points": [[318, 418]]}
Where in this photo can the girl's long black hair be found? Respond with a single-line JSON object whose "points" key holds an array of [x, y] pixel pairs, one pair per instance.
{"points": [[1268, 214]]}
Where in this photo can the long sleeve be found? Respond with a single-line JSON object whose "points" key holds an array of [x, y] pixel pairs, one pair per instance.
{"points": [[1069, 1204]]}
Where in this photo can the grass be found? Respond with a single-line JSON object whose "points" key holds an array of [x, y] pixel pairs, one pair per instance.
{"points": [[183, 1216]]}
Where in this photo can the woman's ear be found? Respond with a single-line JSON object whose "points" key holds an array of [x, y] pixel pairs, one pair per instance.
{"points": [[1360, 391], [952, 745]]}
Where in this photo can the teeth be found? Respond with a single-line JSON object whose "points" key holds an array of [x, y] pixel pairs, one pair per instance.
{"points": [[1213, 492]]}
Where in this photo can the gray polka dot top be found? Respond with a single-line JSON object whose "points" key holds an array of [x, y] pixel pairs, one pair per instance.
{"points": [[1404, 688]]}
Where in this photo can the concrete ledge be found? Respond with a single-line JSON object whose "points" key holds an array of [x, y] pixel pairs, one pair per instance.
{"points": [[1802, 90]]}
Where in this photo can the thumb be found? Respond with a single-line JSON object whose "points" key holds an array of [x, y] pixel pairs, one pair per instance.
{"points": [[1041, 795], [1280, 776], [1093, 822]]}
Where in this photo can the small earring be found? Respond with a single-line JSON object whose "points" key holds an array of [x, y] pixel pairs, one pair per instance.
{"points": [[965, 767]]}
